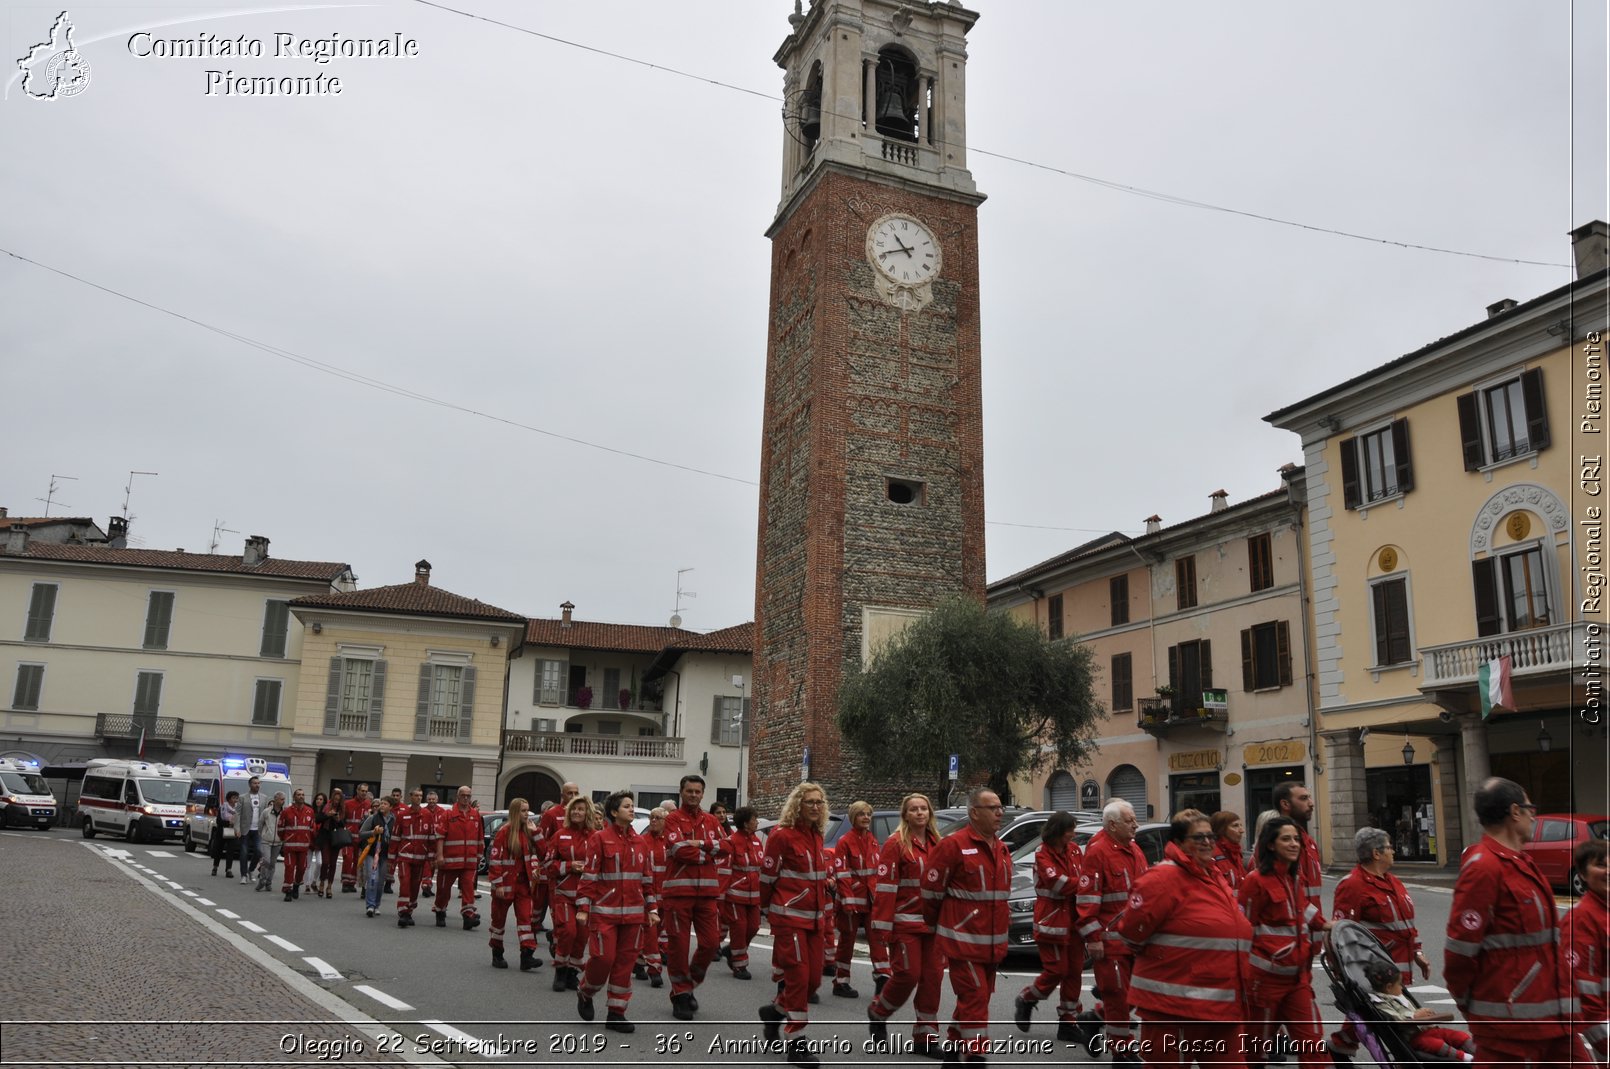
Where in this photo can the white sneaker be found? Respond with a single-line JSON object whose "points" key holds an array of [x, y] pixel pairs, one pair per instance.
{"points": [[243, 879]]}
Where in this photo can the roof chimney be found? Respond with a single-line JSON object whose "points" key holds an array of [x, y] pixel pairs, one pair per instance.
{"points": [[4, 512], [422, 572], [256, 551], [1154, 524], [17, 540], [1591, 243], [117, 533], [1220, 500], [566, 609], [1498, 308]]}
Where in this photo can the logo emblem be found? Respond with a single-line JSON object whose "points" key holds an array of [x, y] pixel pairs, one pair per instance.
{"points": [[1135, 900], [53, 69], [1470, 920]]}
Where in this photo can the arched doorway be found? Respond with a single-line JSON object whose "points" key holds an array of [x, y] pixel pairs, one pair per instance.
{"points": [[1063, 793], [537, 788], [1127, 782]]}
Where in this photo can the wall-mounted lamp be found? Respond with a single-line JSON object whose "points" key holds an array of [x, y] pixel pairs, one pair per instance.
{"points": [[318, 628], [1408, 750], [438, 770], [1544, 739], [349, 762], [704, 763], [497, 641]]}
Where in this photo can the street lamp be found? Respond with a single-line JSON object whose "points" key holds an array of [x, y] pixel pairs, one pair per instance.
{"points": [[1544, 739], [1408, 750], [738, 718]]}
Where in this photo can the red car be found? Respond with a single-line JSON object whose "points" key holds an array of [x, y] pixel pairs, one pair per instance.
{"points": [[1556, 838]]}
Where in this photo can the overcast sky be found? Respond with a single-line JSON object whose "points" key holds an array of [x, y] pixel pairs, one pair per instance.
{"points": [[567, 241]]}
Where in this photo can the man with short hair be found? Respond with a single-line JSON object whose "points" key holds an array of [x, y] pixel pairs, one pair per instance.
{"points": [[1501, 959], [1113, 862], [391, 861], [1295, 801], [296, 839], [693, 844], [458, 839], [549, 821], [248, 826], [354, 811], [433, 812]]}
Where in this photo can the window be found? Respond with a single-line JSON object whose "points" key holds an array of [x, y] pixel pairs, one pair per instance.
{"points": [[1190, 672], [551, 677], [445, 681], [147, 695], [1512, 592], [609, 727], [158, 619], [356, 695], [446, 707], [266, 704], [1266, 656], [276, 625], [1554, 831], [1185, 581], [30, 679], [1503, 420], [905, 491], [1376, 466], [41, 613], [1118, 594], [1391, 601], [1123, 687], [1054, 617], [612, 690], [725, 723], [1260, 562]]}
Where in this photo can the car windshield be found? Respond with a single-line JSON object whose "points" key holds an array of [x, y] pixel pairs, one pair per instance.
{"points": [[494, 821], [165, 791], [1598, 829], [28, 783]]}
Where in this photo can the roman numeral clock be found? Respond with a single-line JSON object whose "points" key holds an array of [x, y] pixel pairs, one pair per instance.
{"points": [[907, 258]]}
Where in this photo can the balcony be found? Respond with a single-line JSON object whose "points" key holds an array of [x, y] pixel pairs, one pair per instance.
{"points": [[1160, 715], [592, 746], [165, 731], [1537, 652]]}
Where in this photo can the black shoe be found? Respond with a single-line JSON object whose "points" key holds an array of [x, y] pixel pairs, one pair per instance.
{"points": [[572, 979], [559, 977], [497, 959], [471, 922], [1022, 1010], [639, 973], [656, 979], [584, 1007], [830, 970], [877, 985], [844, 990], [349, 890], [409, 917], [402, 922], [815, 999], [441, 918], [693, 1002], [800, 1054], [528, 959], [931, 1047], [878, 1026], [296, 892], [215, 870], [725, 953], [1069, 1032], [388, 887], [742, 973], [682, 1007], [228, 874], [772, 1020], [617, 1022], [289, 896]]}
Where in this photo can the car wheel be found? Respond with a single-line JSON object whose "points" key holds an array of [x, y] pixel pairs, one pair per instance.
{"points": [[1578, 886], [189, 842], [89, 828], [132, 832]]}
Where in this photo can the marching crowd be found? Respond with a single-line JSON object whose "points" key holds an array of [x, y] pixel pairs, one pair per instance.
{"points": [[1215, 957]]}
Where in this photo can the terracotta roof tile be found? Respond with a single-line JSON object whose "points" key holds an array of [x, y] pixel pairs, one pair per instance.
{"points": [[43, 521], [275, 567], [410, 599], [586, 635], [739, 638]]}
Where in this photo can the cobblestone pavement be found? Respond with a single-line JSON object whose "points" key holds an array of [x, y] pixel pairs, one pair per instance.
{"points": [[101, 971]]}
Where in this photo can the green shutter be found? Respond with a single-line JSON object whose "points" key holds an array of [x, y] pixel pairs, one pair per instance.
{"points": [[148, 693], [29, 678], [332, 699], [715, 719], [158, 619], [41, 612], [377, 698], [466, 704], [266, 707], [422, 710], [276, 624]]}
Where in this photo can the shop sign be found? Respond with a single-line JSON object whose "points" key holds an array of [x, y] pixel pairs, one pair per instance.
{"points": [[1216, 699], [1194, 761], [1233, 779], [1288, 752]]}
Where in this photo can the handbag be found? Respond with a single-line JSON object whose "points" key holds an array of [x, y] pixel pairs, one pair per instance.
{"points": [[340, 838]]}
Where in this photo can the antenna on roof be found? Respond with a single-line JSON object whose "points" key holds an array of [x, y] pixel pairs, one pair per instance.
{"points": [[129, 489], [676, 613], [218, 528], [50, 495]]}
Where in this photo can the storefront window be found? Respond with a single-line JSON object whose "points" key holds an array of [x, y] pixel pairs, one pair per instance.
{"points": [[1261, 784], [1400, 805], [1196, 790]]}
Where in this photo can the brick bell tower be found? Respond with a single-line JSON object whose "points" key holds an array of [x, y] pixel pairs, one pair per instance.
{"points": [[872, 464]]}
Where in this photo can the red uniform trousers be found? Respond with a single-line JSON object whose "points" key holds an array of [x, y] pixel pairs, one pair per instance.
{"points": [[1112, 988], [522, 918], [295, 856], [411, 875], [743, 921], [430, 867], [1062, 966], [1289, 1002], [848, 924], [650, 952], [569, 939], [611, 951], [974, 983], [465, 878], [1170, 1042], [797, 953], [685, 918], [915, 965], [1506, 1043], [349, 866]]}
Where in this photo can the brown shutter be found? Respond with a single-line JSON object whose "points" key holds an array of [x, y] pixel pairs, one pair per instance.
{"points": [[1383, 625], [1537, 418], [332, 699], [1350, 496], [1401, 457], [1207, 670], [1470, 431], [1484, 573], [1283, 651], [1174, 674], [1249, 673]]}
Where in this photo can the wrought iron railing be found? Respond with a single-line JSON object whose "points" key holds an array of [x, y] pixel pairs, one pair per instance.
{"points": [[159, 730], [582, 744]]}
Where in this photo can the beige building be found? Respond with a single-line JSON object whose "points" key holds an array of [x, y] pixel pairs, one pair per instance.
{"points": [[1197, 631], [403, 688], [1446, 495]]}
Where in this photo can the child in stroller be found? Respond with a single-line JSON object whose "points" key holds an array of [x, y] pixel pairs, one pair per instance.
{"points": [[1368, 987], [1424, 1036]]}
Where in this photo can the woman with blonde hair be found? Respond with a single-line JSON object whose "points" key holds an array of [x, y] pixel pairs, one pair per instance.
{"points": [[795, 885], [898, 933], [855, 863], [512, 866], [564, 861]]}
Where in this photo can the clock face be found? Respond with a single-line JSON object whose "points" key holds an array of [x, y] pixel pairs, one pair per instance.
{"points": [[904, 250]]}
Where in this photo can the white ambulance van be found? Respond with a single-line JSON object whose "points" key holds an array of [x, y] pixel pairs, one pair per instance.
{"points": [[139, 800], [25, 796], [211, 781]]}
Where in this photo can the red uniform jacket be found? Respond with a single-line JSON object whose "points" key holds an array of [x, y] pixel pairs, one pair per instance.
{"points": [[1109, 873], [552, 819], [565, 846], [692, 842], [296, 827], [618, 885], [964, 892], [897, 895], [1228, 860], [459, 833], [743, 888], [1587, 948], [656, 846], [795, 881], [415, 833], [855, 863], [1190, 940], [353, 812], [1311, 878], [1056, 882], [1382, 904], [504, 870], [1502, 958], [1282, 920]]}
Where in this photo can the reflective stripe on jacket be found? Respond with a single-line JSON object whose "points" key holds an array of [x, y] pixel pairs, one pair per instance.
{"points": [[501, 866], [565, 846], [690, 866], [1587, 948], [1282, 920], [1382, 904], [795, 880], [618, 885], [855, 863], [1107, 875], [743, 886], [416, 828], [1056, 882], [296, 826], [655, 844], [964, 892], [897, 892], [460, 832]]}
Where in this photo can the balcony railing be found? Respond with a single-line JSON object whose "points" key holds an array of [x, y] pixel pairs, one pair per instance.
{"points": [[1161, 714], [159, 730], [1534, 652], [605, 747]]}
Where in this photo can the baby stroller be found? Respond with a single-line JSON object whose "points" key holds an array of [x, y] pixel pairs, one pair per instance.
{"points": [[1349, 946]]}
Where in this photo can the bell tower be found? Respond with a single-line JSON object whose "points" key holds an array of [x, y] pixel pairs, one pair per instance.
{"points": [[872, 478]]}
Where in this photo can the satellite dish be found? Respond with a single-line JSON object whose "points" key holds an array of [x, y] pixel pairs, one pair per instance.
{"points": [[676, 619]]}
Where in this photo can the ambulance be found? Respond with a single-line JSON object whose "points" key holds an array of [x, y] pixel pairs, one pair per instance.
{"points": [[25, 795], [139, 800], [211, 781]]}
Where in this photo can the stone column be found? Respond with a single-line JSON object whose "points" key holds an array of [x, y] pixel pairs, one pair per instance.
{"points": [[925, 131], [1475, 768], [305, 773], [393, 773], [484, 782], [1450, 806], [1349, 792], [869, 97]]}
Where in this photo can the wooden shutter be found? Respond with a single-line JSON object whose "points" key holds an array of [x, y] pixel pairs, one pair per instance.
{"points": [[1484, 574], [715, 718], [1207, 669], [1400, 455], [1350, 495], [1383, 625], [1283, 651], [1470, 431], [41, 612], [148, 693], [276, 623], [536, 683], [466, 703], [29, 678], [1249, 666], [1123, 681], [158, 619], [422, 710], [265, 710], [332, 699], [1118, 593], [1537, 418], [377, 697]]}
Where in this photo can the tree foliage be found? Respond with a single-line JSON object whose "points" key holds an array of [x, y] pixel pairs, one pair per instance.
{"points": [[987, 686]]}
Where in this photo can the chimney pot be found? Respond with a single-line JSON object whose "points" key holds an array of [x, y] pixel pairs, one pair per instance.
{"points": [[256, 551], [4, 512], [1220, 500], [1154, 524], [1498, 308], [17, 540], [422, 572], [1591, 244], [566, 609], [117, 533]]}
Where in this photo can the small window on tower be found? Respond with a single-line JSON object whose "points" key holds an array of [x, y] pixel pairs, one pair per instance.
{"points": [[905, 491]]}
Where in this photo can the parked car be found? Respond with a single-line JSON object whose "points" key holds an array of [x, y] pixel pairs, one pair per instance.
{"points": [[1554, 841], [1020, 905], [884, 822], [948, 820]]}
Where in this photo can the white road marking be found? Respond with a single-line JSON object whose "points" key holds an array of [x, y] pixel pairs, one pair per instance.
{"points": [[231, 916], [286, 943], [255, 929], [159, 853], [205, 902], [1429, 989], [172, 884], [325, 970], [1440, 1002], [188, 894], [381, 997], [471, 1043]]}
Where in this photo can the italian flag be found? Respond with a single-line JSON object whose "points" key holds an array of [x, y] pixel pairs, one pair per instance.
{"points": [[1493, 682]]}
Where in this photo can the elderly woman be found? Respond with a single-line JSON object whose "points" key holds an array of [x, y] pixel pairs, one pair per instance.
{"points": [[1583, 932], [795, 886], [1191, 944], [1371, 895], [1229, 829], [1282, 953]]}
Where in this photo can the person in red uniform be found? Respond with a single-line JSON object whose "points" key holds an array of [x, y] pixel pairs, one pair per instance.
{"points": [[1295, 802], [458, 852], [433, 812], [855, 863], [1113, 863], [296, 839], [1587, 949], [353, 813], [413, 840], [564, 861], [1062, 952], [1191, 943], [651, 958], [830, 937], [905, 938], [1283, 953], [616, 903], [512, 866], [1371, 895], [550, 820], [1501, 959], [741, 901], [1229, 830], [964, 892], [795, 884], [688, 907]]}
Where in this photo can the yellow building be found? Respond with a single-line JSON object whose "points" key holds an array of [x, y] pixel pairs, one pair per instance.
{"points": [[1445, 494]]}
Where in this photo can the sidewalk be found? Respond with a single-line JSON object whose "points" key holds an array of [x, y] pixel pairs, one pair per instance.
{"points": [[99, 969]]}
